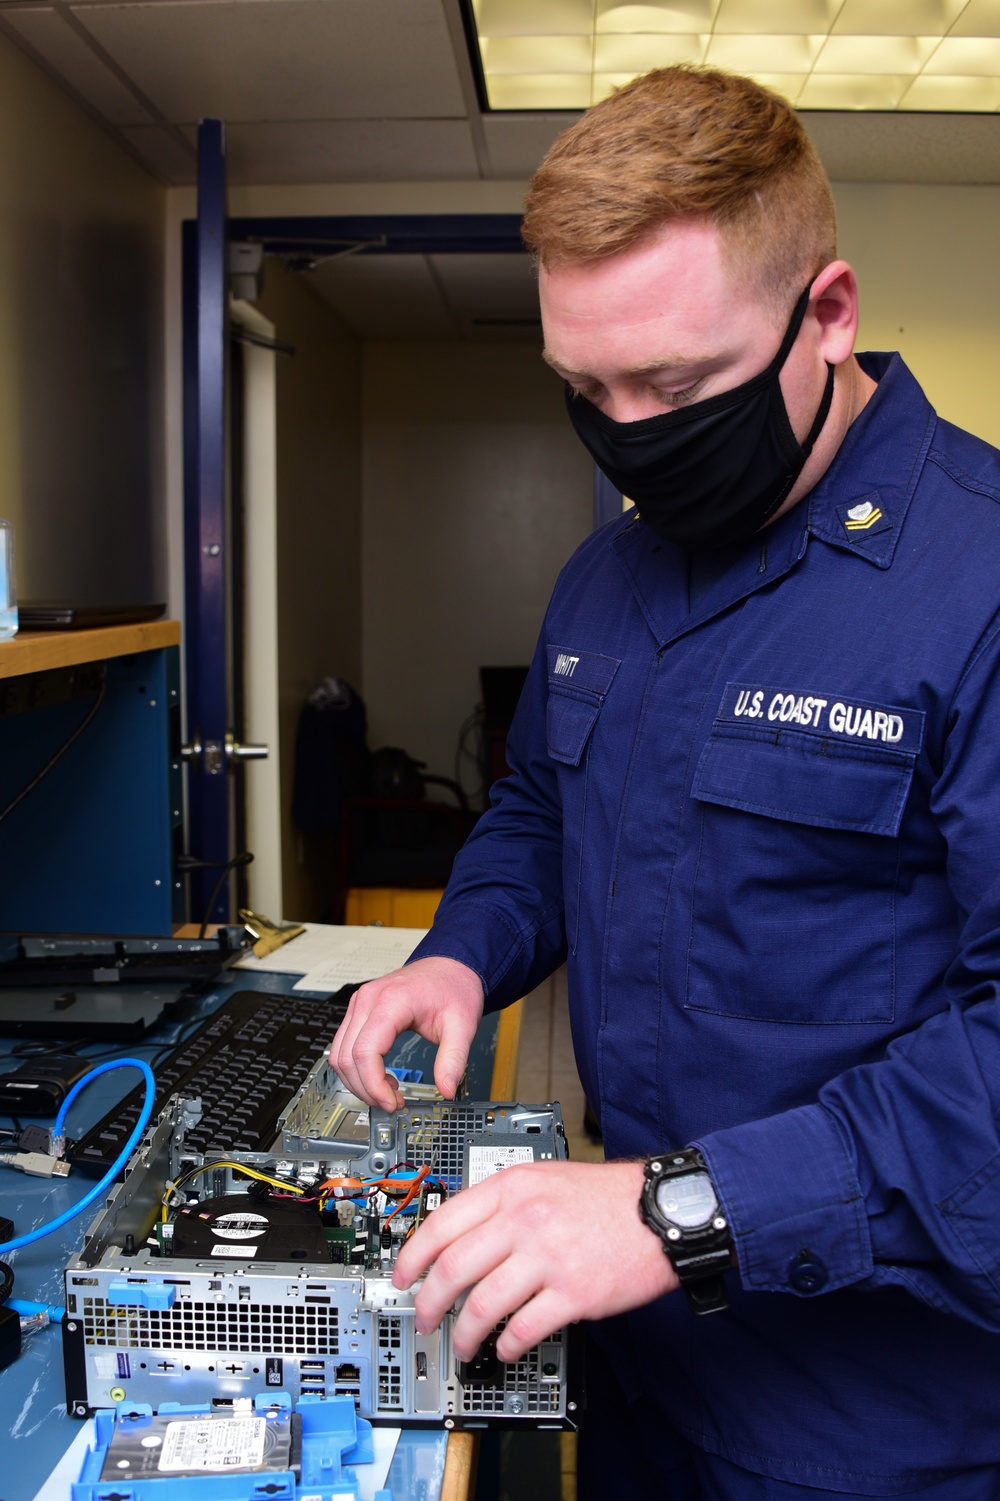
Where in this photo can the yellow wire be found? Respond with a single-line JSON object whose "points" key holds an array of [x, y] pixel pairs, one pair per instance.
{"points": [[240, 1167]]}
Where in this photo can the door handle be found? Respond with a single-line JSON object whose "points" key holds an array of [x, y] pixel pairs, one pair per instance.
{"points": [[213, 758], [236, 752]]}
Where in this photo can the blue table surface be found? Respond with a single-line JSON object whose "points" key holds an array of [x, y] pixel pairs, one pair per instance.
{"points": [[32, 1394]]}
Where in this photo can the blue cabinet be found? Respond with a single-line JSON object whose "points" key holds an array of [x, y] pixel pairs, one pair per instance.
{"points": [[92, 848]]}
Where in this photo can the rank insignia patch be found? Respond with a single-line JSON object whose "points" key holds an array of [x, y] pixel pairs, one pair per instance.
{"points": [[863, 517]]}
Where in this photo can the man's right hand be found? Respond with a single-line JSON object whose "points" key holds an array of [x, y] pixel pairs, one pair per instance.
{"points": [[439, 998]]}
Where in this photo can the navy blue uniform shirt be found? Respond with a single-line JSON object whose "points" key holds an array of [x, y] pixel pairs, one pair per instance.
{"points": [[765, 829]]}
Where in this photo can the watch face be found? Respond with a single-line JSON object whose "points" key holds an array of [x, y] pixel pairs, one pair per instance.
{"points": [[688, 1201]]}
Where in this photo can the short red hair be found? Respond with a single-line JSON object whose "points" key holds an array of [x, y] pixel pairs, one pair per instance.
{"points": [[688, 143]]}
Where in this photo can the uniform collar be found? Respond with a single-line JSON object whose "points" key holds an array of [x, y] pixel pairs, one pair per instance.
{"points": [[862, 500], [876, 469]]}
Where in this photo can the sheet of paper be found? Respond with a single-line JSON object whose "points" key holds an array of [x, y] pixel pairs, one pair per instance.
{"points": [[372, 952], [367, 952]]}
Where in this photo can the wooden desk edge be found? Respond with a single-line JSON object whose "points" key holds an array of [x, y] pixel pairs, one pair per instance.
{"points": [[504, 1081], [460, 1467], [38, 651]]}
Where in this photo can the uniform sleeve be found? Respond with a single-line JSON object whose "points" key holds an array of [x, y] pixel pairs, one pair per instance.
{"points": [[502, 912], [892, 1176]]}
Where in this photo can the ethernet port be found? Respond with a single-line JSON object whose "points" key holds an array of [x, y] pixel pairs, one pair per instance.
{"points": [[348, 1373]]}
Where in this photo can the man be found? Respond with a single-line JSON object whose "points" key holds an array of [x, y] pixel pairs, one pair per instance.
{"points": [[756, 780]]}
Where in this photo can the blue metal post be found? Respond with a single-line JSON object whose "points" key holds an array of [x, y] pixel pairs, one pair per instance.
{"points": [[206, 564]]}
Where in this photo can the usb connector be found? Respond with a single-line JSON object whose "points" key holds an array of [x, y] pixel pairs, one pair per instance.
{"points": [[36, 1164]]}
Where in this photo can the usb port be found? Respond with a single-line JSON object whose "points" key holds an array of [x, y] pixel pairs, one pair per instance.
{"points": [[312, 1365], [421, 1366]]}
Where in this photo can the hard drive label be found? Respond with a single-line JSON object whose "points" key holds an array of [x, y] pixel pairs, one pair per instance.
{"points": [[229, 1444]]}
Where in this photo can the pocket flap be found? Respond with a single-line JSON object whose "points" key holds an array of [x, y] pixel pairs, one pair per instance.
{"points": [[568, 724], [804, 779], [589, 671]]}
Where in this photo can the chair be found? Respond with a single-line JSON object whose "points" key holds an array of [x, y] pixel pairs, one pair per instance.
{"points": [[397, 838]]}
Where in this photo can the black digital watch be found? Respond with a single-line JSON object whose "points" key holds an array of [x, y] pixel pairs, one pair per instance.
{"points": [[681, 1206]]}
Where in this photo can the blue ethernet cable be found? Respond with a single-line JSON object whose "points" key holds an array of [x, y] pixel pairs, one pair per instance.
{"points": [[120, 1160]]}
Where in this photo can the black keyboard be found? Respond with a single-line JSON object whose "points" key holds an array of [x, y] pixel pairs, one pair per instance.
{"points": [[245, 1061]]}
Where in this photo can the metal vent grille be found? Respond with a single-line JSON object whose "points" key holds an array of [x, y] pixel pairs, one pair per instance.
{"points": [[437, 1135], [226, 1328], [521, 1379], [390, 1381]]}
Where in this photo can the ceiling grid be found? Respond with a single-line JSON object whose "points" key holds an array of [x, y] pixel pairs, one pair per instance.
{"points": [[385, 91], [318, 91]]}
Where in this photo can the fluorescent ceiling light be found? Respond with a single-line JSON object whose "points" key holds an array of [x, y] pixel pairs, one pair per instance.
{"points": [[937, 55], [768, 54], [636, 54], [684, 16]]}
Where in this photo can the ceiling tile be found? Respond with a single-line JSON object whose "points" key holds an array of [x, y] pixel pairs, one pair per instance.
{"points": [[64, 50], [857, 147], [300, 151], [163, 153], [285, 59], [489, 287], [979, 18], [746, 17], [890, 18], [517, 143], [384, 296]]}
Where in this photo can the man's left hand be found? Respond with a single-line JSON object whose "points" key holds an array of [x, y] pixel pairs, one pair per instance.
{"points": [[545, 1244]]}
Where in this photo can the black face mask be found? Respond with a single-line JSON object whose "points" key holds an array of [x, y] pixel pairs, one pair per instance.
{"points": [[711, 474]]}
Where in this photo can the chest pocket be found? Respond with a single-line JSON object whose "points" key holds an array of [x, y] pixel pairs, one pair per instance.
{"points": [[793, 912], [578, 685]]}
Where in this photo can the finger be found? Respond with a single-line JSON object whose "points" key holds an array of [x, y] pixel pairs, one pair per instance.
{"points": [[366, 1035], [453, 1053], [469, 1209], [534, 1321], [343, 1039], [499, 1294], [370, 1048], [461, 1265]]}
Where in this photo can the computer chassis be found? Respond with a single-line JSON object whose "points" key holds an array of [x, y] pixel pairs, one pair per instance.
{"points": [[201, 1283]]}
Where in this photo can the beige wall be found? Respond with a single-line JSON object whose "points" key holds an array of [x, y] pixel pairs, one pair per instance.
{"points": [[81, 349], [475, 492], [927, 262], [318, 528]]}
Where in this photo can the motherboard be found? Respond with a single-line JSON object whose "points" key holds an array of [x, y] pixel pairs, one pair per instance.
{"points": [[211, 1277]]}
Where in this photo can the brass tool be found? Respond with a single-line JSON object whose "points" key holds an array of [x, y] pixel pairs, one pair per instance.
{"points": [[268, 935]]}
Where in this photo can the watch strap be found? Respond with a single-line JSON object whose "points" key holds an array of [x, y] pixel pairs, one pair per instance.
{"points": [[699, 1258]]}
